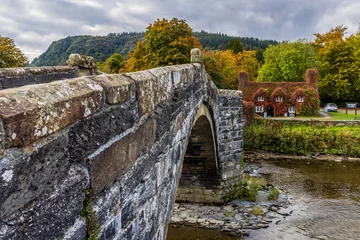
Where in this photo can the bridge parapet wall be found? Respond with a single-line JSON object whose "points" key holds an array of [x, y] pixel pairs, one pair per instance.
{"points": [[101, 155], [78, 65]]}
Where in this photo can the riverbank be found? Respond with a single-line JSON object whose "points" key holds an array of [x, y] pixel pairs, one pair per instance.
{"points": [[251, 156], [237, 217], [296, 138], [322, 202]]}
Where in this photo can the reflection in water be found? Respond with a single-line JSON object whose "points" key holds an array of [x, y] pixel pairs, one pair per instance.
{"points": [[194, 233]]}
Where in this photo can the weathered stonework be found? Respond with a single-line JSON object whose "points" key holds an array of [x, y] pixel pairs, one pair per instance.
{"points": [[79, 66], [35, 111], [115, 143]]}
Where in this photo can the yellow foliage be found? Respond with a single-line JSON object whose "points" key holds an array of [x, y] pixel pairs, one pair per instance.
{"points": [[224, 66], [10, 55], [246, 60], [224, 63]]}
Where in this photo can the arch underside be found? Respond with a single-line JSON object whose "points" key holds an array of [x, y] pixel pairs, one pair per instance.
{"points": [[200, 174]]}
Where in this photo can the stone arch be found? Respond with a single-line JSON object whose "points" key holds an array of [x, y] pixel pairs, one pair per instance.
{"points": [[200, 175]]}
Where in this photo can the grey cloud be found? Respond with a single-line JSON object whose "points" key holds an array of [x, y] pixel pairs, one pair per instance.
{"points": [[34, 24]]}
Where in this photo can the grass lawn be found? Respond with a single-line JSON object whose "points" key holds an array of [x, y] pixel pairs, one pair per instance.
{"points": [[343, 116]]}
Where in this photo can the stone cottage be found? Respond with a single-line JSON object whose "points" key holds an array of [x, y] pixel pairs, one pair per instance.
{"points": [[282, 98]]}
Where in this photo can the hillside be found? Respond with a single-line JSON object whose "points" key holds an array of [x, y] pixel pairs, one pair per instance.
{"points": [[102, 47]]}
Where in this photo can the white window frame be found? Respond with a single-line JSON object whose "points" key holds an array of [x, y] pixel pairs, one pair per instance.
{"points": [[299, 99], [278, 99], [291, 109], [259, 109], [260, 98]]}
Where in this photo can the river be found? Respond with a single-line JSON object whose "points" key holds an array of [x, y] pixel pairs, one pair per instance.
{"points": [[325, 202]]}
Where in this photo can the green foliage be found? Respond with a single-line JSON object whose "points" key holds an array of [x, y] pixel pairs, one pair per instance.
{"points": [[234, 45], [92, 225], [287, 61], [166, 43], [10, 55], [258, 211], [102, 47], [112, 65], [246, 188], [219, 41], [99, 47], [274, 194], [287, 138], [339, 58], [260, 55]]}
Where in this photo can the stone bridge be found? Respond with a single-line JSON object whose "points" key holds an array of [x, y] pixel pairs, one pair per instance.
{"points": [[105, 156]]}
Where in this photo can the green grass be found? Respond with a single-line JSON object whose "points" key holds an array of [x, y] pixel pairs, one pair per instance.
{"points": [[274, 194], [246, 188], [258, 211], [343, 116], [289, 138]]}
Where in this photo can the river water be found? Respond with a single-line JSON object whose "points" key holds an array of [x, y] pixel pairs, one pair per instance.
{"points": [[325, 200]]}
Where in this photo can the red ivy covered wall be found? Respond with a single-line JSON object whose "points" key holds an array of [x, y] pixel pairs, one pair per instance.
{"points": [[289, 91]]}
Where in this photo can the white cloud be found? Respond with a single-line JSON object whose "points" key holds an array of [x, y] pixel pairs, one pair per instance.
{"points": [[34, 24]]}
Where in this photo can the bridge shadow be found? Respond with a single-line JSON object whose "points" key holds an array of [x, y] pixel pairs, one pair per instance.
{"points": [[200, 178]]}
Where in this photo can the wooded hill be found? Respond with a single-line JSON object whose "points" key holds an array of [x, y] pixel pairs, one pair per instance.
{"points": [[102, 47]]}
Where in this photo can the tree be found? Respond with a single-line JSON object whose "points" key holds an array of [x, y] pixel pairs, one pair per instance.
{"points": [[222, 67], [287, 61], [339, 59], [112, 65], [234, 45], [137, 59], [10, 55], [166, 43], [260, 55], [246, 60]]}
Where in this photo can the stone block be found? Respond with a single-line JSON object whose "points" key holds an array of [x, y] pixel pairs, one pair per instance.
{"points": [[35, 111], [118, 88], [182, 74], [87, 135], [81, 61], [52, 213], [25, 174], [153, 87], [119, 156]]}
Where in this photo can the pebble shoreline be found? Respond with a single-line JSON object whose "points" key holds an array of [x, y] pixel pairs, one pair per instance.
{"points": [[237, 217]]}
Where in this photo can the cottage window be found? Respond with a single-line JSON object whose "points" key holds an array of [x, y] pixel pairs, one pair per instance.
{"points": [[299, 99], [278, 99], [260, 98], [259, 109], [291, 109]]}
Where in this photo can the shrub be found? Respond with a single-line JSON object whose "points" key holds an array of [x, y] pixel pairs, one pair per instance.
{"points": [[258, 210], [274, 194], [286, 137], [247, 189]]}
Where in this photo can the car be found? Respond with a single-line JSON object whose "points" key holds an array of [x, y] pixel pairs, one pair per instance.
{"points": [[331, 107]]}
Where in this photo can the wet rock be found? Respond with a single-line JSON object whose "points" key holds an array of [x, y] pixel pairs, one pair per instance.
{"points": [[176, 220], [283, 212], [217, 222]]}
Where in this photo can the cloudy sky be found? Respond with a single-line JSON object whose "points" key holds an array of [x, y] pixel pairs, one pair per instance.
{"points": [[34, 24]]}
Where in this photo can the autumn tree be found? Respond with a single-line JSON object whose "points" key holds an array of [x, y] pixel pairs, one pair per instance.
{"points": [[246, 60], [137, 59], [339, 58], [287, 61], [222, 68], [10, 55], [113, 64], [166, 43], [234, 45]]}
